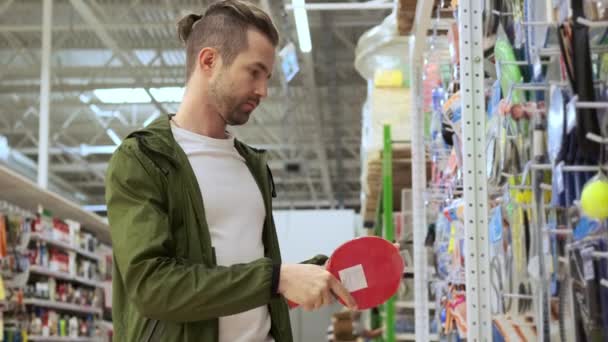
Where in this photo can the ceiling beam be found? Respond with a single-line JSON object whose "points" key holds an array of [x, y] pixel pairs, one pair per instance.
{"points": [[348, 22], [6, 5], [92, 20], [32, 86], [127, 58], [346, 6], [102, 71]]}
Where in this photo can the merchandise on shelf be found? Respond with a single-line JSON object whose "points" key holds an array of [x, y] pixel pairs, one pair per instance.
{"points": [[49, 323], [62, 292], [546, 165], [52, 267]]}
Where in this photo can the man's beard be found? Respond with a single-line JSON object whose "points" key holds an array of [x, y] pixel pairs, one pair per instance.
{"points": [[228, 106]]}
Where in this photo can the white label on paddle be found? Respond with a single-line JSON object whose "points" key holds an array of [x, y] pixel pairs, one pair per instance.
{"points": [[353, 278]]}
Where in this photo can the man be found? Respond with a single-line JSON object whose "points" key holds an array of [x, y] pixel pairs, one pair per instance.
{"points": [[189, 206]]}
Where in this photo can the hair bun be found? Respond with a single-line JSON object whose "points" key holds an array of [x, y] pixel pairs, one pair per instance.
{"points": [[184, 26]]}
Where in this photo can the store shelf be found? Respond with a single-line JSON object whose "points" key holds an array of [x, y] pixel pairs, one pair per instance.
{"points": [[64, 245], [22, 192], [63, 339], [35, 269], [11, 322], [62, 306], [6, 305], [412, 337]]}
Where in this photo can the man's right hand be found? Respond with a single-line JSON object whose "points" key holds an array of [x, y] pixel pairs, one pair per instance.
{"points": [[312, 286]]}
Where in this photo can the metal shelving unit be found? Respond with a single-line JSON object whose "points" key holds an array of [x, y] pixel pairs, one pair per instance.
{"points": [[22, 192], [475, 184], [417, 47], [62, 306], [35, 269], [477, 260], [63, 339], [29, 197], [65, 246]]}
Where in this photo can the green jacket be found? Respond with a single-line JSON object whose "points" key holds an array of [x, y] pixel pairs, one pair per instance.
{"points": [[167, 286]]}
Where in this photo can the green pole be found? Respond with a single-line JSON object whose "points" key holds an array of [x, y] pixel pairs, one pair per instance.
{"points": [[389, 233], [379, 213], [376, 317]]}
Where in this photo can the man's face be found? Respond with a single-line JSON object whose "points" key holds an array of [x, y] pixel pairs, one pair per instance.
{"points": [[236, 90]]}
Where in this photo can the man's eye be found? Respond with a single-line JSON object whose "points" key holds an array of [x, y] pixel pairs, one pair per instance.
{"points": [[255, 73]]}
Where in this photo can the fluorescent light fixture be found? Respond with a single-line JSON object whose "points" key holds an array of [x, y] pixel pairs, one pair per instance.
{"points": [[85, 98], [115, 138], [87, 150], [5, 151], [168, 94], [122, 95], [302, 27], [95, 207]]}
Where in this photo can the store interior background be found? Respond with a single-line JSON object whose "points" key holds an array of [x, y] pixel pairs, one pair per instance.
{"points": [[114, 66], [466, 130]]}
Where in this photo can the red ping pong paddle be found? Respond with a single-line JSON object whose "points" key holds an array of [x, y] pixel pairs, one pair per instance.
{"points": [[369, 267]]}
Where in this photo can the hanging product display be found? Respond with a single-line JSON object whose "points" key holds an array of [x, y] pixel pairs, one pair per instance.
{"points": [[546, 167]]}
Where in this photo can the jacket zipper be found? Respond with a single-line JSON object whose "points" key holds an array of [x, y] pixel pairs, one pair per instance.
{"points": [[273, 191], [152, 331]]}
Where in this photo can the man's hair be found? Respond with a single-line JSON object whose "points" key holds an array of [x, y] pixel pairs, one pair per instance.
{"points": [[223, 26]]}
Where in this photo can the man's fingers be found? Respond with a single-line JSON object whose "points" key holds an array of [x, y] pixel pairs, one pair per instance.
{"points": [[342, 292]]}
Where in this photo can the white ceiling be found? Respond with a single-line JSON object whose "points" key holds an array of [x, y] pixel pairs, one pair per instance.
{"points": [[314, 121]]}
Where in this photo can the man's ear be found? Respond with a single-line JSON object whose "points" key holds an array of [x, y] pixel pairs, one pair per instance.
{"points": [[208, 59]]}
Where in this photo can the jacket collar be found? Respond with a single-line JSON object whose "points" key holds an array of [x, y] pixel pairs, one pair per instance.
{"points": [[158, 137]]}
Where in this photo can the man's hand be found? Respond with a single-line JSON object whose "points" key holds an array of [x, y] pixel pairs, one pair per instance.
{"points": [[312, 286]]}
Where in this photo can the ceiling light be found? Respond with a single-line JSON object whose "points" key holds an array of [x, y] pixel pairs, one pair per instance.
{"points": [[302, 27], [122, 95]]}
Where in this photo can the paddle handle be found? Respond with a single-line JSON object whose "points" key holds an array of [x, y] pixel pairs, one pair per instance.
{"points": [[293, 305]]}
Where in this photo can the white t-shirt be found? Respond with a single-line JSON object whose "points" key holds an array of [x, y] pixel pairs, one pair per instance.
{"points": [[235, 213]]}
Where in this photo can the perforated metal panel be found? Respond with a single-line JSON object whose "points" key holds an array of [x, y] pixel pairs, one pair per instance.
{"points": [[475, 182]]}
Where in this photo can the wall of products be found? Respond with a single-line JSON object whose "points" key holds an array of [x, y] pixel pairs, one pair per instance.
{"points": [[546, 164]]}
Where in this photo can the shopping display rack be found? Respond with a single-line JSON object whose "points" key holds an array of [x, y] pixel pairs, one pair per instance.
{"points": [[519, 243], [55, 266]]}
